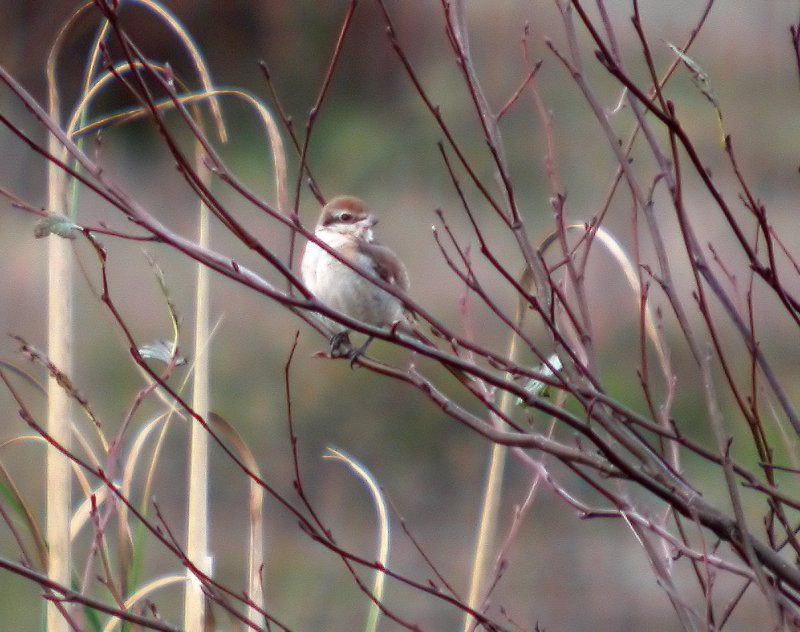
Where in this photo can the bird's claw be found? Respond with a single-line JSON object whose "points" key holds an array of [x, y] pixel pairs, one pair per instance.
{"points": [[341, 347], [354, 355]]}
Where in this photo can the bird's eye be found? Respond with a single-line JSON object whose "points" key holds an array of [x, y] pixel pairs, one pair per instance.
{"points": [[345, 217]]}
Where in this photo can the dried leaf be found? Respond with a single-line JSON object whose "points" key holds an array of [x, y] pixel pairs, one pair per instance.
{"points": [[537, 388], [703, 82], [162, 350], [701, 78], [55, 224]]}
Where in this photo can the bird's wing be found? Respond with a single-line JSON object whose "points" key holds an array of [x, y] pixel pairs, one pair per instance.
{"points": [[387, 264]]}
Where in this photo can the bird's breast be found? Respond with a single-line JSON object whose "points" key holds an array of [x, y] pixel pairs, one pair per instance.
{"points": [[342, 288]]}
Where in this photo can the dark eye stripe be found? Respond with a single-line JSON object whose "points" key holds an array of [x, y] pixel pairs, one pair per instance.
{"points": [[345, 216]]}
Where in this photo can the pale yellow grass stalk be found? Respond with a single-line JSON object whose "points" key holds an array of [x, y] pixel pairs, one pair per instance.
{"points": [[494, 480], [379, 581], [59, 349], [255, 505], [493, 486], [143, 592], [197, 526]]}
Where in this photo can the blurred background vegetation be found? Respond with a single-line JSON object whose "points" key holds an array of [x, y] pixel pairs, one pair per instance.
{"points": [[374, 139]]}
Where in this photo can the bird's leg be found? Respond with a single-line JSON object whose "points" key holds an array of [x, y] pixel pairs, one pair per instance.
{"points": [[341, 347], [355, 354]]}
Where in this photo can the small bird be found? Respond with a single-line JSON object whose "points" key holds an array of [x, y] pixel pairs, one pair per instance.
{"points": [[346, 224]]}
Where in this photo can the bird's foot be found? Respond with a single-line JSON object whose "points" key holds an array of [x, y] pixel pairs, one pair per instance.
{"points": [[341, 347], [356, 353]]}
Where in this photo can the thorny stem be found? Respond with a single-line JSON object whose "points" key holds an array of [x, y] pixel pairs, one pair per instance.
{"points": [[606, 445]]}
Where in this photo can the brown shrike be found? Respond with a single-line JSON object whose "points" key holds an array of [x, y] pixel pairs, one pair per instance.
{"points": [[346, 226]]}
